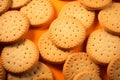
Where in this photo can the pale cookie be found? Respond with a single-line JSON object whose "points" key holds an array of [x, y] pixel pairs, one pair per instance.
{"points": [[39, 12], [67, 32], [103, 46], [2, 73], [49, 51], [113, 70], [4, 5], [20, 57], [78, 62], [39, 72], [109, 18], [95, 4], [13, 25], [78, 11], [87, 75], [16, 4]]}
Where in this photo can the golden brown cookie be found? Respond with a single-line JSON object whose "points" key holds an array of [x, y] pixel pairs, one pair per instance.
{"points": [[20, 57]]}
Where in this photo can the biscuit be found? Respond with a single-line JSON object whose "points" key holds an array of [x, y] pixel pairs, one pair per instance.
{"points": [[87, 76], [109, 18], [39, 12], [78, 11], [2, 73], [4, 5], [78, 62], [113, 69], [102, 46], [39, 72], [13, 25], [67, 32], [95, 4], [16, 4], [20, 57], [49, 51]]}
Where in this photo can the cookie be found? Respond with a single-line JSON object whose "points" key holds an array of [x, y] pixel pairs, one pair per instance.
{"points": [[2, 73], [16, 4], [20, 57], [39, 12], [4, 5], [39, 72], [113, 69], [67, 32], [49, 51], [95, 4], [87, 76], [78, 62], [78, 11], [13, 25], [102, 46], [109, 18]]}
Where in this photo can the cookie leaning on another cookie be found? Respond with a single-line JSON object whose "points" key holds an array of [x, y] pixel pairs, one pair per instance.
{"points": [[67, 32], [95, 4], [16, 4], [77, 10], [39, 72], [87, 76], [109, 18], [4, 5], [113, 69], [49, 51], [39, 12], [20, 57], [102, 46], [13, 26], [78, 62]]}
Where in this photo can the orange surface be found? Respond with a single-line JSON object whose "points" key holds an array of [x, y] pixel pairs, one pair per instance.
{"points": [[35, 33]]}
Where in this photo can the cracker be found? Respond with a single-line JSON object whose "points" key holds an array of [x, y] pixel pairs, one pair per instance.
{"points": [[67, 32], [20, 57], [113, 69], [78, 62], [13, 25], [109, 18], [103, 46], [39, 72], [87, 76], [16, 4], [39, 12], [2, 73], [4, 5], [95, 4], [78, 11], [49, 51]]}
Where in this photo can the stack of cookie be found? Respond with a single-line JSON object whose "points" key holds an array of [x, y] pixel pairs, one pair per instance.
{"points": [[20, 56]]}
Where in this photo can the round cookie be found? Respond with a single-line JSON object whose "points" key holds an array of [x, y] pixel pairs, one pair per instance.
{"points": [[87, 76], [20, 57], [95, 4], [78, 62], [4, 5], [102, 46], [109, 18], [16, 4], [39, 72], [2, 73], [67, 32], [78, 11], [113, 69], [49, 51], [39, 12], [13, 25]]}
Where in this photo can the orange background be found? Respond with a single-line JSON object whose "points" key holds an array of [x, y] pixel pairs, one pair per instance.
{"points": [[35, 33]]}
